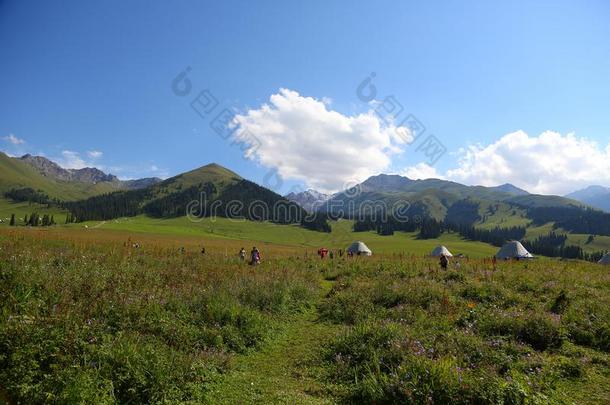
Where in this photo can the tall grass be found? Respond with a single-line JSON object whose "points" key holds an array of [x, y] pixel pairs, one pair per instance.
{"points": [[530, 332], [108, 324]]}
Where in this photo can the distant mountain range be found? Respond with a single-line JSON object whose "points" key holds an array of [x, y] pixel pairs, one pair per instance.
{"points": [[51, 169], [90, 175], [92, 194], [47, 177], [595, 196], [310, 199], [433, 197]]}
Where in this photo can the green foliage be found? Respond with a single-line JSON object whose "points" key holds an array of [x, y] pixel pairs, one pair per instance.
{"points": [[121, 325], [114, 324], [474, 336]]}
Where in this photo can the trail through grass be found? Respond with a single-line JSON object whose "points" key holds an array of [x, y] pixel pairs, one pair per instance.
{"points": [[286, 369]]}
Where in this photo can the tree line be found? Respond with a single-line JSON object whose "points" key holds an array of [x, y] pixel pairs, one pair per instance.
{"points": [[34, 220], [573, 219], [30, 195], [242, 200], [552, 245]]}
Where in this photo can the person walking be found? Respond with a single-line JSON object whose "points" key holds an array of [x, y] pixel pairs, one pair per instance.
{"points": [[444, 262], [255, 257], [242, 254]]}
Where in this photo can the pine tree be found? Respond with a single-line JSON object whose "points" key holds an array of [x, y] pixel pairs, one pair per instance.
{"points": [[12, 223]]}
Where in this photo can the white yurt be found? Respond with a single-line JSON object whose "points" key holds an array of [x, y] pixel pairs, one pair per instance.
{"points": [[441, 251], [605, 259], [513, 250], [359, 248]]}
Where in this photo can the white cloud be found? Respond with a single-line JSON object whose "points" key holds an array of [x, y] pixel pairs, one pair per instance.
{"points": [[94, 154], [421, 171], [13, 139], [71, 160], [550, 163], [139, 171], [306, 141]]}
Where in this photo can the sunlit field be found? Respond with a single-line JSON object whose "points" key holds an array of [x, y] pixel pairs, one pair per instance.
{"points": [[227, 236], [89, 318]]}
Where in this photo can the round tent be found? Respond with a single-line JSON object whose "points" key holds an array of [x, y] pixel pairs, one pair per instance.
{"points": [[605, 259], [441, 251], [513, 250], [359, 248]]}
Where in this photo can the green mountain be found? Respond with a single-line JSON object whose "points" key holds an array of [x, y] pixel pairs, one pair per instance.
{"points": [[17, 174], [486, 209], [211, 190], [48, 178], [433, 197]]}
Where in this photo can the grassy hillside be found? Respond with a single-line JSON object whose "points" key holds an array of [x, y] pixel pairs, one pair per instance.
{"points": [[25, 208], [16, 174], [599, 243], [536, 200], [501, 215], [212, 173]]}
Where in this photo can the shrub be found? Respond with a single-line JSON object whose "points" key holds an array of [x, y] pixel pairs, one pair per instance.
{"points": [[560, 304]]}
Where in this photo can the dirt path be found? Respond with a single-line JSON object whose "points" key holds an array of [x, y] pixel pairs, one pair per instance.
{"points": [[284, 370]]}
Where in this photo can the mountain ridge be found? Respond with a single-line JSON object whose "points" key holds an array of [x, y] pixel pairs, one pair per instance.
{"points": [[595, 196], [309, 199], [92, 175]]}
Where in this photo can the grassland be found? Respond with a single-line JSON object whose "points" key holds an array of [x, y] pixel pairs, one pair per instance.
{"points": [[599, 243], [228, 234], [236, 233], [88, 319], [7, 208]]}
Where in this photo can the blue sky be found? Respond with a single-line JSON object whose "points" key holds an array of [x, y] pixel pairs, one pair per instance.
{"points": [[79, 77]]}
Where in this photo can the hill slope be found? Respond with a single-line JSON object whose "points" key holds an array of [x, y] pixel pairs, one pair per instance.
{"points": [[433, 197], [211, 190], [15, 174], [47, 177]]}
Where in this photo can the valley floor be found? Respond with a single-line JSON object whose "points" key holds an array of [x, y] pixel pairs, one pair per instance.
{"points": [[85, 317]]}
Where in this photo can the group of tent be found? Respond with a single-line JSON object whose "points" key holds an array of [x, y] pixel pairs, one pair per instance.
{"points": [[511, 250]]}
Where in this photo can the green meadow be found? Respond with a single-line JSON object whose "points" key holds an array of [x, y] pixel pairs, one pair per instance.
{"points": [[92, 319], [341, 236]]}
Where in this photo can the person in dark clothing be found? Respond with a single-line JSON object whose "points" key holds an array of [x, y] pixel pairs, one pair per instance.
{"points": [[444, 262], [255, 257]]}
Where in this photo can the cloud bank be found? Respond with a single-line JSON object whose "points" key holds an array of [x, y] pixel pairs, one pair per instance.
{"points": [[550, 163], [305, 140]]}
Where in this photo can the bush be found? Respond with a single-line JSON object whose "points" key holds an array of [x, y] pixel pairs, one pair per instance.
{"points": [[540, 332]]}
